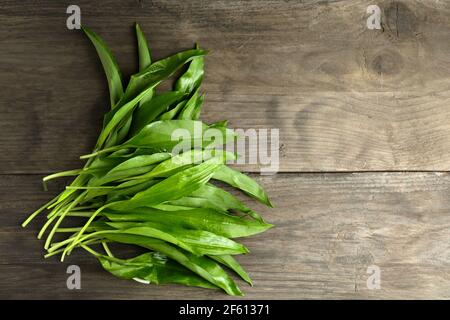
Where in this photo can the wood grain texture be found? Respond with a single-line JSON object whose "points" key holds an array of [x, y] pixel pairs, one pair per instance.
{"points": [[345, 98], [330, 228]]}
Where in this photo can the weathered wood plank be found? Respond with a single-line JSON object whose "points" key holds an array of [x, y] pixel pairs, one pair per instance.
{"points": [[329, 229], [344, 97]]}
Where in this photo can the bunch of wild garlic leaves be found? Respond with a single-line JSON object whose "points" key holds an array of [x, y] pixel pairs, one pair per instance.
{"points": [[135, 190]]}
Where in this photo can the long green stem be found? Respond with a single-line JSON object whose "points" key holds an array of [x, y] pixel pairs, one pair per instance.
{"points": [[65, 230], [99, 152], [60, 244], [67, 193], [89, 188], [88, 249], [84, 214], [107, 250], [61, 218], [81, 208], [50, 218], [67, 173], [34, 214], [56, 209], [59, 202], [92, 241], [79, 240]]}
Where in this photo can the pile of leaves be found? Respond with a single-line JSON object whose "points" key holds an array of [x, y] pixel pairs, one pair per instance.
{"points": [[135, 190]]}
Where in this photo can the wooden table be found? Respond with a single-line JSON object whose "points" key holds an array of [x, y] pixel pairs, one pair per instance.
{"points": [[364, 119]]}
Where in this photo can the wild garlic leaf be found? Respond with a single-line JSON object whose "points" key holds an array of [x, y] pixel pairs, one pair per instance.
{"points": [[142, 84], [190, 109], [194, 202], [128, 168], [110, 66], [164, 135], [184, 160], [190, 81], [199, 241], [103, 163], [200, 219], [123, 128], [173, 187], [126, 192], [140, 161], [125, 153], [224, 200], [203, 266], [190, 103], [195, 114], [154, 268], [119, 175], [231, 263], [148, 231], [120, 113], [242, 182], [158, 71], [143, 50], [172, 113], [145, 59], [149, 111], [168, 207]]}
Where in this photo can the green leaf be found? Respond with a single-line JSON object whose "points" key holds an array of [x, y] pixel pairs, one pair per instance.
{"points": [[145, 59], [195, 114], [198, 241], [243, 182], [124, 127], [124, 192], [168, 207], [154, 268], [201, 265], [128, 168], [130, 152], [192, 78], [196, 203], [165, 135], [172, 113], [119, 175], [173, 187], [131, 167], [148, 231], [231, 263], [140, 86], [208, 243], [110, 66], [158, 71], [120, 113], [192, 108], [185, 160], [144, 52], [140, 161], [190, 104], [149, 111], [103, 163], [224, 200], [200, 219]]}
